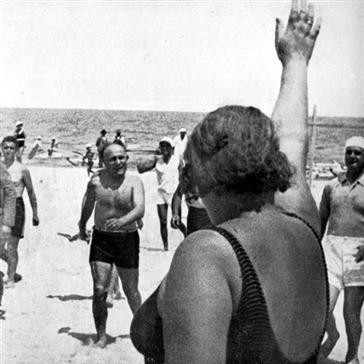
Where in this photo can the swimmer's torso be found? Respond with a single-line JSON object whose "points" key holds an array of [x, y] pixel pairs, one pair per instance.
{"points": [[16, 171], [113, 200]]}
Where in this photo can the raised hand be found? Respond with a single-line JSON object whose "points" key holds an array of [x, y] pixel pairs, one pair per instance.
{"points": [[298, 39]]}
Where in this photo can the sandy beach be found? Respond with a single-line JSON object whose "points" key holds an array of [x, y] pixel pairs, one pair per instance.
{"points": [[48, 314]]}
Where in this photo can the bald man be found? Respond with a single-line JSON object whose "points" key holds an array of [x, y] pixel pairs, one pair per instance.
{"points": [[342, 208], [118, 199]]}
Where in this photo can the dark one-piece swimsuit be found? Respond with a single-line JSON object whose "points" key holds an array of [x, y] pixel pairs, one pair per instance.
{"points": [[251, 339]]}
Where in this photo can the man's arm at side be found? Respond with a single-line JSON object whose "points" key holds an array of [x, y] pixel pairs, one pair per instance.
{"points": [[88, 204], [325, 208], [31, 193]]}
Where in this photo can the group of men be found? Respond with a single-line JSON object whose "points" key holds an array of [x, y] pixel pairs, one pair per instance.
{"points": [[118, 201]]}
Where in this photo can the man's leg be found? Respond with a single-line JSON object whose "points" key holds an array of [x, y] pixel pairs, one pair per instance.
{"points": [[101, 274], [129, 280], [114, 288], [353, 302], [12, 260], [162, 214], [331, 330], [100, 160]]}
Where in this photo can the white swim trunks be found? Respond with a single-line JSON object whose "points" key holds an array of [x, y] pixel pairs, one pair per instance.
{"points": [[342, 269]]}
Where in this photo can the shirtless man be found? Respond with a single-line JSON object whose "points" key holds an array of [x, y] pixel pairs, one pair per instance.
{"points": [[118, 199], [21, 178], [7, 215]]}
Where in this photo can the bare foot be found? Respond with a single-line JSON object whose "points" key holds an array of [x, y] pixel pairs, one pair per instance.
{"points": [[109, 303], [101, 342], [329, 344], [9, 284]]}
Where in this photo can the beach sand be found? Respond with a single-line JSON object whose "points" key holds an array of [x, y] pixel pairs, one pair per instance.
{"points": [[48, 314]]}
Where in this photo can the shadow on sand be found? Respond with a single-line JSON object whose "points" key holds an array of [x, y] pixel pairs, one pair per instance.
{"points": [[89, 339], [71, 297]]}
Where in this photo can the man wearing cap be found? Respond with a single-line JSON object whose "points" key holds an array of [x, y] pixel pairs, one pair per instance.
{"points": [[342, 207], [167, 168], [101, 143], [180, 142], [20, 139]]}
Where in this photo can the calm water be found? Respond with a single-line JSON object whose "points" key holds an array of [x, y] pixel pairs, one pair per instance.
{"points": [[143, 129]]}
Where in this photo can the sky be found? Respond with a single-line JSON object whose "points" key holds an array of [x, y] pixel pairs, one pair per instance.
{"points": [[171, 55]]}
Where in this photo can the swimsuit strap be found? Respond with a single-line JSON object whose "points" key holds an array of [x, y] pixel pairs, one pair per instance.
{"points": [[255, 336]]}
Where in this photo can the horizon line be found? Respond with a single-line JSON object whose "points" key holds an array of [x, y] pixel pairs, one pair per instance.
{"points": [[145, 110]]}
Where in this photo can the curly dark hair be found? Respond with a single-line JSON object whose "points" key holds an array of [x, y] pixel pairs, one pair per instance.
{"points": [[235, 148], [10, 139]]}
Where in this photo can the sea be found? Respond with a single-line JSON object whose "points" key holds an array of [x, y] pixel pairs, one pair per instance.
{"points": [[74, 128]]}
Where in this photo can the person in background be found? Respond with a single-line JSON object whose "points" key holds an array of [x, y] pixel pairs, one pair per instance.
{"points": [[167, 167], [254, 288], [88, 158], [7, 217], [180, 142], [20, 139], [21, 178], [342, 212], [197, 217], [53, 147], [101, 144], [119, 137]]}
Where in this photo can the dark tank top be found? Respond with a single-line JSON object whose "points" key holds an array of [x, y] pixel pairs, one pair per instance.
{"points": [[251, 339]]}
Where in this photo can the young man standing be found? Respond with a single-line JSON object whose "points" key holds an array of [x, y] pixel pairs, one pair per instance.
{"points": [[118, 199], [21, 178], [7, 216], [342, 207]]}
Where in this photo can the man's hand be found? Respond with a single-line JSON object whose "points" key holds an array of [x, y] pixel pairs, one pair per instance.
{"points": [[82, 235], [35, 220], [114, 224], [298, 39], [175, 221], [359, 255]]}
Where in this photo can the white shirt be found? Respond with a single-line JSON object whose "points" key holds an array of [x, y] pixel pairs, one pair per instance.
{"points": [[167, 174]]}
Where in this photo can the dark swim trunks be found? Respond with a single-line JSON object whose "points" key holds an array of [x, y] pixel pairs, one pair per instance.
{"points": [[115, 247], [18, 228]]}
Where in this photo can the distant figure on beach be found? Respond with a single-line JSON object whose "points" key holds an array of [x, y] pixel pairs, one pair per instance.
{"points": [[21, 178], [197, 217], [20, 139], [167, 167], [36, 147], [118, 199], [53, 147], [119, 137], [253, 289], [101, 143], [180, 142], [88, 159], [342, 212], [7, 217]]}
